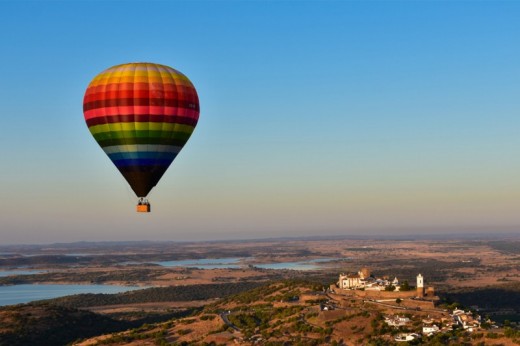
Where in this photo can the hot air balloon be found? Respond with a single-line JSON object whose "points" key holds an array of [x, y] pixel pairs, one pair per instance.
{"points": [[141, 115]]}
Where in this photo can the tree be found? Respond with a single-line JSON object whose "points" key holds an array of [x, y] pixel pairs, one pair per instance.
{"points": [[398, 300], [405, 286]]}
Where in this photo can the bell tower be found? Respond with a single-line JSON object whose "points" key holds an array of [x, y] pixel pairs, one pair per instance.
{"points": [[420, 286]]}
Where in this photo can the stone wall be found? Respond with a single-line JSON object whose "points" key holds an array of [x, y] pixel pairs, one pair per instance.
{"points": [[369, 294]]}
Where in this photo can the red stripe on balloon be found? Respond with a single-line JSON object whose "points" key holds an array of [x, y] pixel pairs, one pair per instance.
{"points": [[130, 118], [141, 110], [180, 101], [153, 92]]}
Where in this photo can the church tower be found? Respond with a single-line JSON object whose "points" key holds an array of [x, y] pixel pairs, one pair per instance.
{"points": [[420, 286]]}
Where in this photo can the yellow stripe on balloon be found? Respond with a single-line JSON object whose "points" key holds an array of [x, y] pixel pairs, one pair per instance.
{"points": [[141, 126], [110, 79]]}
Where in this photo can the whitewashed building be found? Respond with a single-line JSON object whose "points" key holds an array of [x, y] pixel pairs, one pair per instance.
{"points": [[430, 330]]}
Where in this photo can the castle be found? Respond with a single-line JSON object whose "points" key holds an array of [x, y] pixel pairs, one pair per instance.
{"points": [[363, 280], [354, 280]]}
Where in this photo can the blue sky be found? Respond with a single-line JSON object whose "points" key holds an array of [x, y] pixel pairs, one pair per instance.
{"points": [[317, 117]]}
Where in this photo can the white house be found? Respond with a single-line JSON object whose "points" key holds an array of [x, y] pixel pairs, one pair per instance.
{"points": [[430, 330], [397, 321], [466, 320], [403, 337]]}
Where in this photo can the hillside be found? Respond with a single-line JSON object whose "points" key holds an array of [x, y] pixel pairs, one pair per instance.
{"points": [[296, 312], [154, 294], [500, 302], [45, 324], [277, 313], [59, 321]]}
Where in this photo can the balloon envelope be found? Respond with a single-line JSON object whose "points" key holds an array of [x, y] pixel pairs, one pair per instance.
{"points": [[141, 114]]}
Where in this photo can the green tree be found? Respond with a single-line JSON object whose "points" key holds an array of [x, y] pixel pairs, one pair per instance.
{"points": [[405, 286]]}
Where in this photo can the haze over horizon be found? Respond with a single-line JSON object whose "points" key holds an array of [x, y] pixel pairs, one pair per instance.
{"points": [[317, 118]]}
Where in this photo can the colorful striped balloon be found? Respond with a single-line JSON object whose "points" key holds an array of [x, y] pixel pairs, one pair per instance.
{"points": [[141, 114]]}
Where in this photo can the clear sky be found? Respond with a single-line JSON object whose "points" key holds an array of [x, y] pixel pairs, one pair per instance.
{"points": [[317, 118]]}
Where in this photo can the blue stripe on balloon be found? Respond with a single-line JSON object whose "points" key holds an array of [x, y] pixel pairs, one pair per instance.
{"points": [[142, 162], [142, 155]]}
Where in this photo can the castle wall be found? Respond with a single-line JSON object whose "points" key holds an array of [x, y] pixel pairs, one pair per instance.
{"points": [[369, 294], [390, 295]]}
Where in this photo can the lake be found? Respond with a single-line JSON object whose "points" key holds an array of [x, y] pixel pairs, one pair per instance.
{"points": [[205, 263], [235, 262], [17, 294]]}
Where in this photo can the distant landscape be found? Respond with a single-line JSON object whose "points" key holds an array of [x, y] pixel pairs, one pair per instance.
{"points": [[180, 291]]}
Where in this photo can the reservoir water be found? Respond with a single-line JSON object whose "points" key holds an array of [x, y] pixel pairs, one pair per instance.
{"points": [[237, 262], [205, 263], [25, 293], [17, 294]]}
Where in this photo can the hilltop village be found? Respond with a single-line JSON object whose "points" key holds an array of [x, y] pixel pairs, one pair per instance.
{"points": [[392, 293], [364, 281]]}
